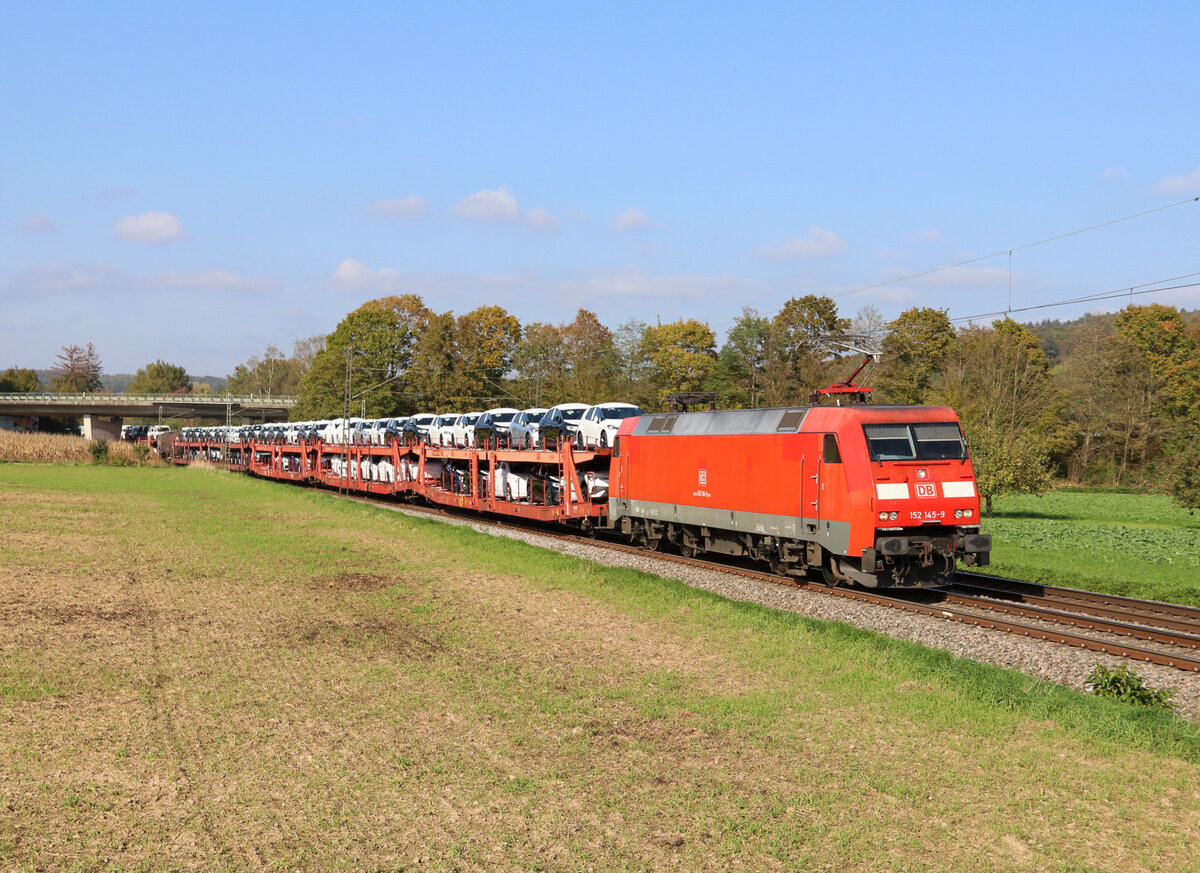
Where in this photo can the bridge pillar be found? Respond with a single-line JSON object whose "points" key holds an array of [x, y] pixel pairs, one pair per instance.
{"points": [[96, 427]]}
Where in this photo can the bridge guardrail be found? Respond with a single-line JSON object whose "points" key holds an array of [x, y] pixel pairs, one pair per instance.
{"points": [[190, 399]]}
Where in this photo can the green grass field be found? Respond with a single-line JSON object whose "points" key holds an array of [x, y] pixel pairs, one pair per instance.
{"points": [[201, 671], [1139, 545]]}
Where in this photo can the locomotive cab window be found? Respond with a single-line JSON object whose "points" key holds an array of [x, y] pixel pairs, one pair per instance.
{"points": [[937, 441], [829, 450], [919, 441]]}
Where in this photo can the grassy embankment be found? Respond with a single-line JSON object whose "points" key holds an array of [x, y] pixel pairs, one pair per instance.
{"points": [[1138, 545], [202, 671]]}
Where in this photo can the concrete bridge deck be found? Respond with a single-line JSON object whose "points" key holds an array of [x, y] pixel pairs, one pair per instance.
{"points": [[103, 413]]}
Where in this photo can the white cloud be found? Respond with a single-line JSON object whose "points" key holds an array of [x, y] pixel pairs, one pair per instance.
{"points": [[956, 277], [59, 279], [403, 209], [636, 284], [214, 280], [356, 277], [38, 224], [541, 220], [632, 219], [150, 227], [818, 243], [1112, 174], [1184, 184], [927, 236], [491, 206]]}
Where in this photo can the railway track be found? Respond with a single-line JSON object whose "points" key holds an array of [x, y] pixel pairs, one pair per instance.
{"points": [[1140, 630]]}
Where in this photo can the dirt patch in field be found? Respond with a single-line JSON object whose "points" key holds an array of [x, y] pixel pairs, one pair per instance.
{"points": [[354, 582]]}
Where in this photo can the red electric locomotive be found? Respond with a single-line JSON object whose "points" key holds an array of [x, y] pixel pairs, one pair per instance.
{"points": [[878, 496]]}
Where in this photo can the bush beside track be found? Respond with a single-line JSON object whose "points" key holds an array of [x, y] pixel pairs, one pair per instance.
{"points": [[202, 669]]}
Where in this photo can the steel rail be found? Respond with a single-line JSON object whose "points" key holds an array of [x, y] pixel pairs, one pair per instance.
{"points": [[1170, 615]]}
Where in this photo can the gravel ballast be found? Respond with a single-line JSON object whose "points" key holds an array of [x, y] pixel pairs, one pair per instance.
{"points": [[1054, 662]]}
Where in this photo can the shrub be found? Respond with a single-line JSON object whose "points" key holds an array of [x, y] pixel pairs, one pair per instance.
{"points": [[140, 452], [1121, 683], [99, 451]]}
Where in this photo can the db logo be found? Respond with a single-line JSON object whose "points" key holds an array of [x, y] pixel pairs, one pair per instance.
{"points": [[926, 489], [704, 477]]}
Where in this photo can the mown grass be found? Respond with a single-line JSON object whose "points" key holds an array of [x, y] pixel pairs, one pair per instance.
{"points": [[1137, 545], [247, 675]]}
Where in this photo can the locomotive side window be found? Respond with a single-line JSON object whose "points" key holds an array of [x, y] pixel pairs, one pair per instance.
{"points": [[829, 450], [939, 442], [924, 441], [890, 442]]}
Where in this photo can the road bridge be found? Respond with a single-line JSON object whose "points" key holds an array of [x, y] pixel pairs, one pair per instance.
{"points": [[103, 414]]}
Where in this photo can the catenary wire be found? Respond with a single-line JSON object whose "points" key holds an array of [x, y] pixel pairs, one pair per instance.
{"points": [[1040, 242]]}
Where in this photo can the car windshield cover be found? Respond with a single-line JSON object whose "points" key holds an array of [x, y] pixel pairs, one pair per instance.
{"points": [[503, 416], [573, 414], [622, 412], [919, 441]]}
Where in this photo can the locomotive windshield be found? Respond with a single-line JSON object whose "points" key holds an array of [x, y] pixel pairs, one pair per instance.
{"points": [[918, 441]]}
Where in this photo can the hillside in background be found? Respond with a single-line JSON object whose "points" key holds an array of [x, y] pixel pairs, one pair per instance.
{"points": [[117, 383]]}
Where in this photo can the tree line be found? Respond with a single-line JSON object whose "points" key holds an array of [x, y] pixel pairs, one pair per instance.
{"points": [[1108, 400]]}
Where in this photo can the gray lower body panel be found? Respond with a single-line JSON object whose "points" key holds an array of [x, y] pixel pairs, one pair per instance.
{"points": [[834, 536]]}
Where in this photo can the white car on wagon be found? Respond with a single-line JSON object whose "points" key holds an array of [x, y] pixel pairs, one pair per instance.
{"points": [[523, 430], [599, 425]]}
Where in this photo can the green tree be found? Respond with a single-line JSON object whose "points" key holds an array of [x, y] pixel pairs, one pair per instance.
{"points": [[76, 370], [159, 378], [634, 382], [1162, 339], [19, 380], [1006, 464], [682, 355], [538, 361], [918, 345], [798, 348], [434, 372], [998, 379], [741, 361], [271, 375], [367, 355], [1185, 476], [485, 340], [590, 358]]}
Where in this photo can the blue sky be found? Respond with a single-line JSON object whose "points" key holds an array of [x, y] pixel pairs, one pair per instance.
{"points": [[193, 182]]}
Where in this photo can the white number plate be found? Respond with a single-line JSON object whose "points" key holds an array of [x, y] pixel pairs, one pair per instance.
{"points": [[927, 515]]}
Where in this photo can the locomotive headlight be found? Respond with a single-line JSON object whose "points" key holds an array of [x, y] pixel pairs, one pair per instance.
{"points": [[967, 513], [892, 516], [958, 513], [883, 516]]}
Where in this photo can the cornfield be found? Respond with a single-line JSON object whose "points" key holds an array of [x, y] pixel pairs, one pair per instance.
{"points": [[50, 448]]}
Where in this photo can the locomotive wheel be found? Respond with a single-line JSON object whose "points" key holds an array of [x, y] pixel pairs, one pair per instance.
{"points": [[777, 564], [829, 573]]}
